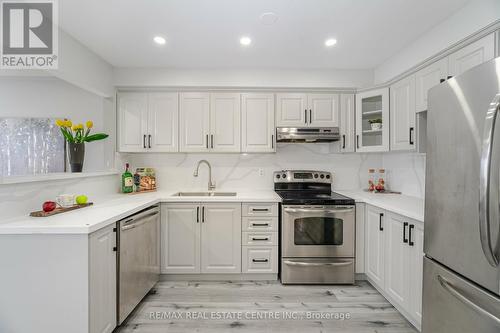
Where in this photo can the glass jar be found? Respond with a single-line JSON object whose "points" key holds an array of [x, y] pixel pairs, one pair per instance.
{"points": [[371, 180], [380, 185]]}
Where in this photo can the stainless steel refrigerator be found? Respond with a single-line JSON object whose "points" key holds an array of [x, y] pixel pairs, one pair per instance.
{"points": [[462, 236]]}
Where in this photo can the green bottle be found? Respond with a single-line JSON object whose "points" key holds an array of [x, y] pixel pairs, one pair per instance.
{"points": [[127, 181]]}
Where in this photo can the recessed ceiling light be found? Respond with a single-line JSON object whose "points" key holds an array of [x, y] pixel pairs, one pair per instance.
{"points": [[159, 40], [245, 41], [330, 42], [268, 18]]}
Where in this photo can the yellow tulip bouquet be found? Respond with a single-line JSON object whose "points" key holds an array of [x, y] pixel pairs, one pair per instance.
{"points": [[77, 133]]}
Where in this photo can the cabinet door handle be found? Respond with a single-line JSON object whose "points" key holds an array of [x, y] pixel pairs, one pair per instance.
{"points": [[405, 225], [343, 141], [260, 224], [212, 141], [203, 214], [198, 214], [411, 243], [357, 141], [144, 141], [310, 116], [260, 260], [260, 238], [272, 141], [381, 215], [305, 117], [207, 140], [411, 135], [149, 140], [260, 209]]}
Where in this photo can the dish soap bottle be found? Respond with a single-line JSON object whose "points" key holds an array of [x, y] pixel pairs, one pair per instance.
{"points": [[127, 181]]}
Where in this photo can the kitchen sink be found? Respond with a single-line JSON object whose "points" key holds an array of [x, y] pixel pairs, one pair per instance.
{"points": [[204, 194]]}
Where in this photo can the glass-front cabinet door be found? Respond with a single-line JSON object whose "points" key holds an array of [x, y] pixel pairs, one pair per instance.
{"points": [[372, 120]]}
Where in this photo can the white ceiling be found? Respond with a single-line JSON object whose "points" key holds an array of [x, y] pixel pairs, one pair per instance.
{"points": [[205, 33]]}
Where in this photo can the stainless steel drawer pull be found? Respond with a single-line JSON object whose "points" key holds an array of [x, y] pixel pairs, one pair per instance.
{"points": [[260, 260], [260, 224], [459, 295], [311, 264], [260, 238]]}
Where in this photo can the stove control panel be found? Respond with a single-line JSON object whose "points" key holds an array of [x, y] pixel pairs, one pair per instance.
{"points": [[302, 176]]}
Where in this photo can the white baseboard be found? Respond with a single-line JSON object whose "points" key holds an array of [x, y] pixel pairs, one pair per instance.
{"points": [[219, 277]]}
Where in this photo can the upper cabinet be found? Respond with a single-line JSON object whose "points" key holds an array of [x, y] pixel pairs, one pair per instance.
{"points": [[210, 122], [314, 110], [372, 120], [347, 128], [147, 122], [472, 55], [427, 78], [402, 114], [257, 123]]}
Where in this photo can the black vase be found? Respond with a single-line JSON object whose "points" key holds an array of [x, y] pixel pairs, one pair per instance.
{"points": [[76, 154]]}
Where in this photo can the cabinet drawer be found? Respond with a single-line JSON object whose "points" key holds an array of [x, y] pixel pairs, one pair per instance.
{"points": [[259, 238], [260, 224], [259, 259], [260, 209]]}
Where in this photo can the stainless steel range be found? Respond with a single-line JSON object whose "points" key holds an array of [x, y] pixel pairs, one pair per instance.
{"points": [[317, 229]]}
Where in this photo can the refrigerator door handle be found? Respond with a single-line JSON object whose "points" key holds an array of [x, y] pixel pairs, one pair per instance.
{"points": [[484, 182], [461, 297]]}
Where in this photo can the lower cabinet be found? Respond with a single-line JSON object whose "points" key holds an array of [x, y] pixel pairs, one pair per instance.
{"points": [[201, 238], [102, 280], [394, 259]]}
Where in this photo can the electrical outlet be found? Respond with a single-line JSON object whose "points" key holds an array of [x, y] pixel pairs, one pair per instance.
{"points": [[261, 172]]}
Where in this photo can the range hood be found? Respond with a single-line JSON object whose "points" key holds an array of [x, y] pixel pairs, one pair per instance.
{"points": [[307, 134]]}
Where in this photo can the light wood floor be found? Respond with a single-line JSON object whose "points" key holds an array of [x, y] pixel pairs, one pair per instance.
{"points": [[240, 303]]}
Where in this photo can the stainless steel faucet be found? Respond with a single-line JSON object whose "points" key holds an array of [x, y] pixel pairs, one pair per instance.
{"points": [[211, 184]]}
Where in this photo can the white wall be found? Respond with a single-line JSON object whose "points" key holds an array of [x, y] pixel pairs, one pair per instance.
{"points": [[473, 17], [157, 77], [78, 65], [52, 97], [242, 171]]}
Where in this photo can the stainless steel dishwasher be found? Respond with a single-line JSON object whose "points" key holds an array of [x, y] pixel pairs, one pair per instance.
{"points": [[138, 258]]}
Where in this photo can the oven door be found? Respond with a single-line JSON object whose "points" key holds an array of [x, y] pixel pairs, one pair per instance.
{"points": [[318, 231]]}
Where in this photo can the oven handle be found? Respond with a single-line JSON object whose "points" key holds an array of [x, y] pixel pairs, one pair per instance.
{"points": [[310, 264], [326, 211]]}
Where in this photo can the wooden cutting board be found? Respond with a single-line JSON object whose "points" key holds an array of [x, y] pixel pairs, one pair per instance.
{"points": [[59, 210]]}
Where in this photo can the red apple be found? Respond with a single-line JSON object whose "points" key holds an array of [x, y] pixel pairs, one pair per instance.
{"points": [[48, 206]]}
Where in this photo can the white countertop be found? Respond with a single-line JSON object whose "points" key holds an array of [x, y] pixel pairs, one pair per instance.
{"points": [[405, 205], [112, 209]]}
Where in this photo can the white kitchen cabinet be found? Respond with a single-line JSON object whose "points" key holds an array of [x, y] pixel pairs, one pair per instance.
{"points": [[374, 245], [180, 238], [102, 275], [291, 110], [397, 273], [347, 124], [314, 110], [427, 78], [210, 122], [201, 238], [323, 110], [257, 123], [132, 121], [472, 55], [221, 238], [371, 105], [148, 122], [402, 114], [194, 122], [225, 114], [416, 260]]}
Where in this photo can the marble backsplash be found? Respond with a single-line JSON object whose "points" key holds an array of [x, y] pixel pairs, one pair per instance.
{"points": [[405, 172]]}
